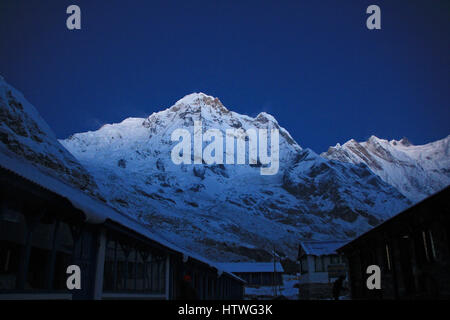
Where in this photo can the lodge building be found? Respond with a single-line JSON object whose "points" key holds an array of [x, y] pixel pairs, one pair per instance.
{"points": [[412, 250], [46, 225], [319, 266], [262, 279]]}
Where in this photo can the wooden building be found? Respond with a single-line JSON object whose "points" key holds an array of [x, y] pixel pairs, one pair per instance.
{"points": [[256, 274], [46, 225], [263, 279], [412, 250], [320, 265]]}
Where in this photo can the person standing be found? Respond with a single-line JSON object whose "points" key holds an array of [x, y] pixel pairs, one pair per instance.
{"points": [[338, 285], [187, 291]]}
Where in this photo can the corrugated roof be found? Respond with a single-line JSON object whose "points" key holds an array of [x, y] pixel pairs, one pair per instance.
{"points": [[322, 248], [251, 267]]}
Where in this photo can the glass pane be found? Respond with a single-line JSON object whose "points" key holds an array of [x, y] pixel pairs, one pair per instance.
{"points": [[139, 273], [121, 269], [41, 247], [110, 267], [12, 239]]}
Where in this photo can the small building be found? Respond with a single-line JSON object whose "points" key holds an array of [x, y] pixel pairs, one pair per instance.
{"points": [[47, 225], [320, 265], [412, 250], [262, 278], [256, 274]]}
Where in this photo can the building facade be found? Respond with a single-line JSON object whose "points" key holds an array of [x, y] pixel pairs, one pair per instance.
{"points": [[412, 250], [46, 226], [256, 274], [319, 266], [262, 279]]}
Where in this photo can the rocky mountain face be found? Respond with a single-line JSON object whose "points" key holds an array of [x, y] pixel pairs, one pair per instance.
{"points": [[230, 211], [24, 134], [416, 171], [223, 211]]}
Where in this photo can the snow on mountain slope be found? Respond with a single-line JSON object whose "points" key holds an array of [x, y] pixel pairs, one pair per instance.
{"points": [[416, 171], [24, 134], [224, 211]]}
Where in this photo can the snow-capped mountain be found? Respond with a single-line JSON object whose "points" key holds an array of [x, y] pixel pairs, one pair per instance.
{"points": [[24, 134], [416, 171], [223, 211]]}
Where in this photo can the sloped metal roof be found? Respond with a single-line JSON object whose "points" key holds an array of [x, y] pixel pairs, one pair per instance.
{"points": [[322, 248], [251, 267]]}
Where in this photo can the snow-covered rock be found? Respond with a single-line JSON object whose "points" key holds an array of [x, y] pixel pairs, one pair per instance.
{"points": [[416, 171], [24, 134], [223, 211]]}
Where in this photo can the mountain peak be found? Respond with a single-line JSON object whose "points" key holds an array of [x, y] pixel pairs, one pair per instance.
{"points": [[404, 141], [265, 117], [193, 98], [349, 142], [198, 99], [374, 139]]}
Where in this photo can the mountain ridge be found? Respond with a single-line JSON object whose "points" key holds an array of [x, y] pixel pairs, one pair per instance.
{"points": [[240, 214], [417, 171], [221, 211], [24, 134]]}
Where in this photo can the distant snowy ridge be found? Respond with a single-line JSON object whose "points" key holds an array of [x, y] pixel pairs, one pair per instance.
{"points": [[416, 171]]}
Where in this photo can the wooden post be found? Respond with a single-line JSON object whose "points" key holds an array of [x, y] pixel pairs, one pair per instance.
{"points": [[115, 265], [31, 222], [167, 288], [394, 252], [51, 261], [100, 265], [24, 259], [135, 267]]}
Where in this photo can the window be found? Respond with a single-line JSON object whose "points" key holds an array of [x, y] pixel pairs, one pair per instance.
{"points": [[41, 247], [9, 267], [139, 274], [319, 264], [130, 268], [326, 260], [267, 278], [122, 267], [12, 239], [49, 244], [335, 259], [109, 273]]}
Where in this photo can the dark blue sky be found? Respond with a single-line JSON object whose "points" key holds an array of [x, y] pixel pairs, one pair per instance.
{"points": [[312, 64]]}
